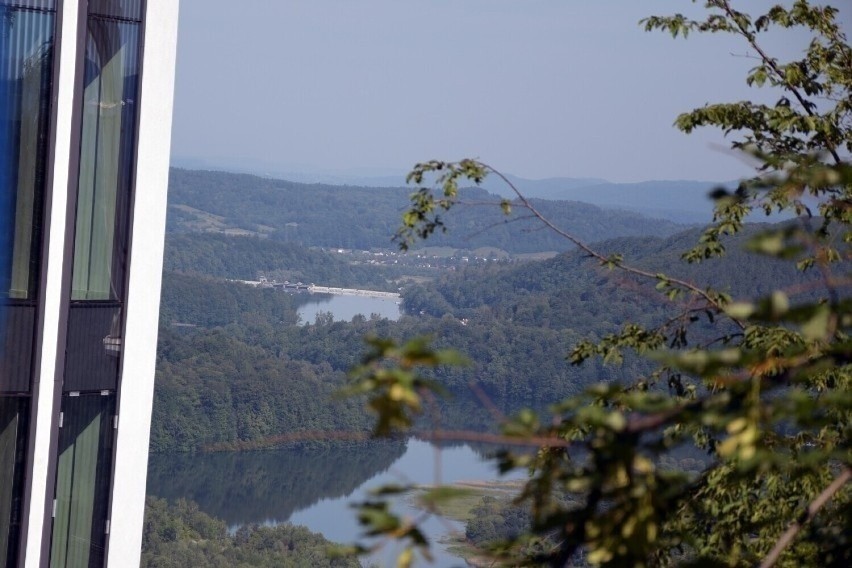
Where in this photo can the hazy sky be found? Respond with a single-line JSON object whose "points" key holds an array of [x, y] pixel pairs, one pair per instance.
{"points": [[538, 88]]}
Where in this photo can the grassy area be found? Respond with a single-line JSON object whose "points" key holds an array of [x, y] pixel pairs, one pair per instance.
{"points": [[459, 508], [439, 252], [536, 255], [205, 222]]}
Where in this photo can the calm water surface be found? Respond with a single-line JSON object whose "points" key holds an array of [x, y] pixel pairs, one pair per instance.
{"points": [[315, 487], [344, 308]]}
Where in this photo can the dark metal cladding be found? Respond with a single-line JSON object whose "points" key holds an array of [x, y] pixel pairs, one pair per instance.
{"points": [[16, 348], [94, 346], [123, 9], [43, 5]]}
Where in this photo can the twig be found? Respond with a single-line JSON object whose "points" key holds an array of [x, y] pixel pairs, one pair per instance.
{"points": [[525, 202], [808, 515], [486, 402], [472, 436], [769, 62]]}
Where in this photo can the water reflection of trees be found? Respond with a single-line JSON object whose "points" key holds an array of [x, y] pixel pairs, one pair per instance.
{"points": [[253, 487]]}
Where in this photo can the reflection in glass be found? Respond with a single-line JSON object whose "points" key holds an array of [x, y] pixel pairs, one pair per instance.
{"points": [[82, 481], [26, 59], [26, 54], [13, 425], [106, 160], [124, 9]]}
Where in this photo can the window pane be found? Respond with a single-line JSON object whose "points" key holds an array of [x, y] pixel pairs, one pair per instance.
{"points": [[82, 481], [125, 9], [45, 5], [106, 160], [26, 53], [13, 426]]}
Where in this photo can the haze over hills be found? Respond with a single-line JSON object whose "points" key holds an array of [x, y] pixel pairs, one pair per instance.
{"points": [[679, 201], [366, 217]]}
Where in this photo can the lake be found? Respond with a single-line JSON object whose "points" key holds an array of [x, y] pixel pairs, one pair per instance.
{"points": [[315, 486], [344, 308]]}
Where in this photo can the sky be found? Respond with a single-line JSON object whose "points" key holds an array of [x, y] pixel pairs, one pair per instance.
{"points": [[536, 88]]}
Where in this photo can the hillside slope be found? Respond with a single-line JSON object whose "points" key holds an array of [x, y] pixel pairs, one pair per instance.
{"points": [[367, 217]]}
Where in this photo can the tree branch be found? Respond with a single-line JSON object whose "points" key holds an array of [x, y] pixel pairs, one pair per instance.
{"points": [[525, 202], [808, 515], [769, 62]]}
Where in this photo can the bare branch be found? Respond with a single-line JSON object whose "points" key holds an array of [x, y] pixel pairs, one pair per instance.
{"points": [[808, 515], [527, 204]]}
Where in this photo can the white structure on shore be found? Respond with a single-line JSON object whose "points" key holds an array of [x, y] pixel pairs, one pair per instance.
{"points": [[314, 289]]}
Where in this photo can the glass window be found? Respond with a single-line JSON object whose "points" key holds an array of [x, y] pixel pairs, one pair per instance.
{"points": [[26, 58], [26, 67], [82, 481], [120, 9], [13, 426], [106, 159], [43, 5], [14, 419]]}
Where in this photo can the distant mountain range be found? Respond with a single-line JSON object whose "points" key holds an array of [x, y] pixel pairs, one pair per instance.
{"points": [[683, 201], [358, 217]]}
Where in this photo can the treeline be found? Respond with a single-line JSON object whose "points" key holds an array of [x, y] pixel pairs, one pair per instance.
{"points": [[200, 301], [259, 377], [573, 292], [180, 535], [366, 217], [224, 387], [248, 377], [245, 258]]}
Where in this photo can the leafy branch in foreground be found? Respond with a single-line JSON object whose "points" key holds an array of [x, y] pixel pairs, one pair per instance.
{"points": [[388, 375], [769, 406]]}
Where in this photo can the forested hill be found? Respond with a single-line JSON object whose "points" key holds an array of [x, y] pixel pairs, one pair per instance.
{"points": [[238, 371], [245, 258], [366, 217], [571, 291]]}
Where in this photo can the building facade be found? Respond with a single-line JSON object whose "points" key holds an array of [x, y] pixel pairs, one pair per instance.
{"points": [[85, 119]]}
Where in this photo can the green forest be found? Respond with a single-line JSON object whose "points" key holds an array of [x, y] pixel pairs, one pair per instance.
{"points": [[179, 535], [686, 390], [235, 371], [366, 217]]}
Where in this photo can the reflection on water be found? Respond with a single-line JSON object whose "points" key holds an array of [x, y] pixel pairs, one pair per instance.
{"points": [[315, 486], [344, 308], [260, 487]]}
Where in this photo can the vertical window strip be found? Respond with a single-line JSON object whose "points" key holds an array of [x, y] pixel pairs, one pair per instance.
{"points": [[82, 481], [26, 38], [13, 431], [106, 160], [99, 265], [26, 71]]}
